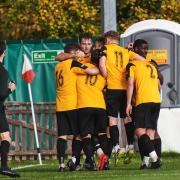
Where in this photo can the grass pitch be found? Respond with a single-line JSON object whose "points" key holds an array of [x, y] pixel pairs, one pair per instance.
{"points": [[169, 171]]}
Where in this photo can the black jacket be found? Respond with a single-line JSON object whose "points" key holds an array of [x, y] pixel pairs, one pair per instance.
{"points": [[4, 90]]}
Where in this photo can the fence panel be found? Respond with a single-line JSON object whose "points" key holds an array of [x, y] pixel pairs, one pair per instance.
{"points": [[22, 129]]}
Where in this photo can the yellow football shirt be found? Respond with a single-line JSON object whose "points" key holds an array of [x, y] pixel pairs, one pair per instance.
{"points": [[86, 59], [146, 82], [89, 90], [66, 93], [117, 58]]}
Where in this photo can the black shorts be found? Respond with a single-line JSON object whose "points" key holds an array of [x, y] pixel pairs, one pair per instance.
{"points": [[146, 115], [67, 122], [92, 121], [116, 101], [4, 127]]}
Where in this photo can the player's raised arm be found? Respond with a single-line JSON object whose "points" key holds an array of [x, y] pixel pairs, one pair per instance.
{"points": [[102, 62], [84, 68], [92, 71], [134, 56], [102, 66], [64, 56]]}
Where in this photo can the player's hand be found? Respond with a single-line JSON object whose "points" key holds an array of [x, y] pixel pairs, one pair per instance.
{"points": [[79, 54], [129, 110], [12, 86]]}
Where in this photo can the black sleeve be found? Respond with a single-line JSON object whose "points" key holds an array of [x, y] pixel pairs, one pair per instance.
{"points": [[128, 70], [4, 90], [160, 76], [102, 51], [78, 64], [153, 62]]}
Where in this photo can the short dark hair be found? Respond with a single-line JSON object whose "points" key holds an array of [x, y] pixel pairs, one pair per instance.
{"points": [[111, 34], [70, 47], [100, 40], [2, 47], [85, 35], [138, 43]]}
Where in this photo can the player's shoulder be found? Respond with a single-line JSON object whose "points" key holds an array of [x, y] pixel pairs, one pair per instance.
{"points": [[154, 63], [113, 45], [138, 62], [57, 65], [67, 62], [63, 64], [120, 48]]}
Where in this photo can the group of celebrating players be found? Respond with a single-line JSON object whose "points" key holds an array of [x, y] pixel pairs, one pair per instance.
{"points": [[93, 86]]}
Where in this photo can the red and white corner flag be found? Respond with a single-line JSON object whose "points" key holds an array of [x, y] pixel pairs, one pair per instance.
{"points": [[27, 70], [28, 76]]}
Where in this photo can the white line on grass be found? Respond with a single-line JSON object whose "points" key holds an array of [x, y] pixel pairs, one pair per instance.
{"points": [[28, 166], [115, 175]]}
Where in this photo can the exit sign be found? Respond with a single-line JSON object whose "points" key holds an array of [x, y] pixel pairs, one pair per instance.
{"points": [[45, 56]]}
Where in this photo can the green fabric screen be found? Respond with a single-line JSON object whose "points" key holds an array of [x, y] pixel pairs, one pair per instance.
{"points": [[43, 86]]}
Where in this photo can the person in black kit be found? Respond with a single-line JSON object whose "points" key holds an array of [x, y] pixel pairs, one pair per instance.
{"points": [[5, 90]]}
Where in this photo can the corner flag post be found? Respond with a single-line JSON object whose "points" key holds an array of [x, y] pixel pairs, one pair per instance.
{"points": [[28, 76], [34, 123]]}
